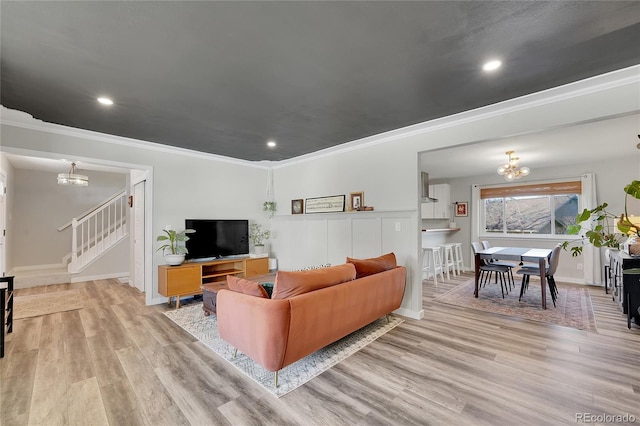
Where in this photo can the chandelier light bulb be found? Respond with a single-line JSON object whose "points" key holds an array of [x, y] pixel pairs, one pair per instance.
{"points": [[510, 171]]}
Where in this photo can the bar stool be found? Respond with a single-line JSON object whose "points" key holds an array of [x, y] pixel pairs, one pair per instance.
{"points": [[457, 257], [447, 260], [432, 263]]}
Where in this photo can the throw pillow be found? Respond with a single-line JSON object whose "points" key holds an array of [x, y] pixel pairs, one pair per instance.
{"points": [[251, 288], [373, 265], [293, 283]]}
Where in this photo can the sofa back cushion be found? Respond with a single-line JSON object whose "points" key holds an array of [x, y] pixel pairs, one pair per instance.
{"points": [[293, 283], [373, 265], [247, 287]]}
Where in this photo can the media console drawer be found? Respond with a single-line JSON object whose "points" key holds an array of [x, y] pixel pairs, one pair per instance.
{"points": [[257, 266]]}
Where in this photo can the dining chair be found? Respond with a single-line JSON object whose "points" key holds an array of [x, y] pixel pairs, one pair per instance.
{"points": [[487, 245], [527, 271], [487, 268]]}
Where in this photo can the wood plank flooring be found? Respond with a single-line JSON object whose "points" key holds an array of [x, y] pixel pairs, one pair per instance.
{"points": [[119, 362]]}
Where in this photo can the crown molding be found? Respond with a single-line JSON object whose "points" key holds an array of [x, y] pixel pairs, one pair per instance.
{"points": [[618, 78], [599, 83], [15, 118]]}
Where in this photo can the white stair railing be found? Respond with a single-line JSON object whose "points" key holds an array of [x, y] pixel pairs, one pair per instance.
{"points": [[97, 231]]}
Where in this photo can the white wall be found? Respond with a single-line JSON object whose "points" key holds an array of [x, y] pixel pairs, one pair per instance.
{"points": [[387, 169], [385, 166], [41, 206], [611, 177], [183, 184]]}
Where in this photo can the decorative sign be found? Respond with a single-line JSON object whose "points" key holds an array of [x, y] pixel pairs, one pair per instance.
{"points": [[324, 204]]}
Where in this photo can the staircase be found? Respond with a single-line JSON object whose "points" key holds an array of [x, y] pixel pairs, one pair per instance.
{"points": [[96, 231]]}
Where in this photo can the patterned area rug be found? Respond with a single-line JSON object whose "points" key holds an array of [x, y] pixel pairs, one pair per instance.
{"points": [[573, 309], [292, 376], [35, 305]]}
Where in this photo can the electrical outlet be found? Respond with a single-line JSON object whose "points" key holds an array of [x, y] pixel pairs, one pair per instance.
{"points": [[579, 265], [398, 227]]}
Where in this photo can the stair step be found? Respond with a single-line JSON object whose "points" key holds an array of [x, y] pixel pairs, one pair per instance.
{"points": [[41, 277]]}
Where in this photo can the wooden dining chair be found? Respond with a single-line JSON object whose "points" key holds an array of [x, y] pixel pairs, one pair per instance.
{"points": [[527, 271], [487, 268]]}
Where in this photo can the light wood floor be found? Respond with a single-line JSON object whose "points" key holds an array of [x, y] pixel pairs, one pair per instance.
{"points": [[119, 362]]}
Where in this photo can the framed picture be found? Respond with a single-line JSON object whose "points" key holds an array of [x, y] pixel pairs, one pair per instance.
{"points": [[461, 208], [331, 204], [357, 201], [297, 206]]}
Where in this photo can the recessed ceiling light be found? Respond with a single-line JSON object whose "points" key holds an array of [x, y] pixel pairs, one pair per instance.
{"points": [[105, 101], [271, 144], [492, 65]]}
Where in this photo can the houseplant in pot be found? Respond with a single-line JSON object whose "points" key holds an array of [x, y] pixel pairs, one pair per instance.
{"points": [[173, 245], [596, 226], [258, 236]]}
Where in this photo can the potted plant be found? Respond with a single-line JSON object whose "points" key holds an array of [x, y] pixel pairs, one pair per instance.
{"points": [[269, 207], [258, 236], [173, 247], [595, 226]]}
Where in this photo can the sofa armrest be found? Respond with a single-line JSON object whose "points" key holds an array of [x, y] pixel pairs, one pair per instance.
{"points": [[255, 326]]}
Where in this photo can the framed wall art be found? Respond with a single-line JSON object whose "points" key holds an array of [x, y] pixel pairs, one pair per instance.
{"points": [[330, 204], [462, 208], [356, 201], [297, 206]]}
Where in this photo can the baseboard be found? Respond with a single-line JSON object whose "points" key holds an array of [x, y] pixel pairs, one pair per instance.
{"points": [[117, 275], [17, 269]]}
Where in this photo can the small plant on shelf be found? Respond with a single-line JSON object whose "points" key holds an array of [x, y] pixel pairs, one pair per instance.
{"points": [[257, 235]]}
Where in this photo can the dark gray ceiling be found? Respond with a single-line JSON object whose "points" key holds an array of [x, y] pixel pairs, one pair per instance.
{"points": [[225, 77]]}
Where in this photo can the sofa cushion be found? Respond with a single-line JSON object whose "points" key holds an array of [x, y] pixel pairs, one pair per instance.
{"points": [[251, 288], [293, 283], [373, 265]]}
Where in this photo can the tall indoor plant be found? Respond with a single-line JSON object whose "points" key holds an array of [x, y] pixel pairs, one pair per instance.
{"points": [[595, 226], [173, 248]]}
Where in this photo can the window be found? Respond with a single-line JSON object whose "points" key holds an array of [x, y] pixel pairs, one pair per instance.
{"points": [[540, 209]]}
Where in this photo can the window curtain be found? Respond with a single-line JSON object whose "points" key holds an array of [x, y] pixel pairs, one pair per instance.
{"points": [[475, 218], [592, 263]]}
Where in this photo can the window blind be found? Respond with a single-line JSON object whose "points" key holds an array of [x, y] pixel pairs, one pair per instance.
{"points": [[552, 188]]}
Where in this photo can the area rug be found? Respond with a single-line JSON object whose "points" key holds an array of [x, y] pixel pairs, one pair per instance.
{"points": [[292, 376], [35, 305], [573, 306]]}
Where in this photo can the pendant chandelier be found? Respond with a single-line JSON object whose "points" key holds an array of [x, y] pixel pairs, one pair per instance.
{"points": [[510, 171], [72, 177]]}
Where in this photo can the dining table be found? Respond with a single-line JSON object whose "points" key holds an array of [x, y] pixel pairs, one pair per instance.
{"points": [[518, 254]]}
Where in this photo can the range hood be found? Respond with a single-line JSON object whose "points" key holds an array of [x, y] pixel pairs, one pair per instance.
{"points": [[424, 187]]}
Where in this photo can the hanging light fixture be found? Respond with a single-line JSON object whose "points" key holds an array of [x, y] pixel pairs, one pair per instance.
{"points": [[510, 171], [72, 177]]}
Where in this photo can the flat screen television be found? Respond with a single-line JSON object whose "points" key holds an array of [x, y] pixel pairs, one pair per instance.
{"points": [[217, 238]]}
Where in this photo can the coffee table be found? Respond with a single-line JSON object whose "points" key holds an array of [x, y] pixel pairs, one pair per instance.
{"points": [[210, 291], [209, 295]]}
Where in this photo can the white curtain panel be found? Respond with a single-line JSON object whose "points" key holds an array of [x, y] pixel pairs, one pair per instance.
{"points": [[592, 267]]}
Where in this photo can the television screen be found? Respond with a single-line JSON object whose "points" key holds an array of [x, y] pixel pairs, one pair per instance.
{"points": [[217, 238]]}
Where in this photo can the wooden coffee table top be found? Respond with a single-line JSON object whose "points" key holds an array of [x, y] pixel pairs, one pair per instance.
{"points": [[215, 286]]}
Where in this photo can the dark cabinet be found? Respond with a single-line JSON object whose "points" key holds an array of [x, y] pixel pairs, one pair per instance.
{"points": [[631, 295]]}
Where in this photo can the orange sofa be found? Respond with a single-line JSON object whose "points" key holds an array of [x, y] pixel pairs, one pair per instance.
{"points": [[308, 309]]}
